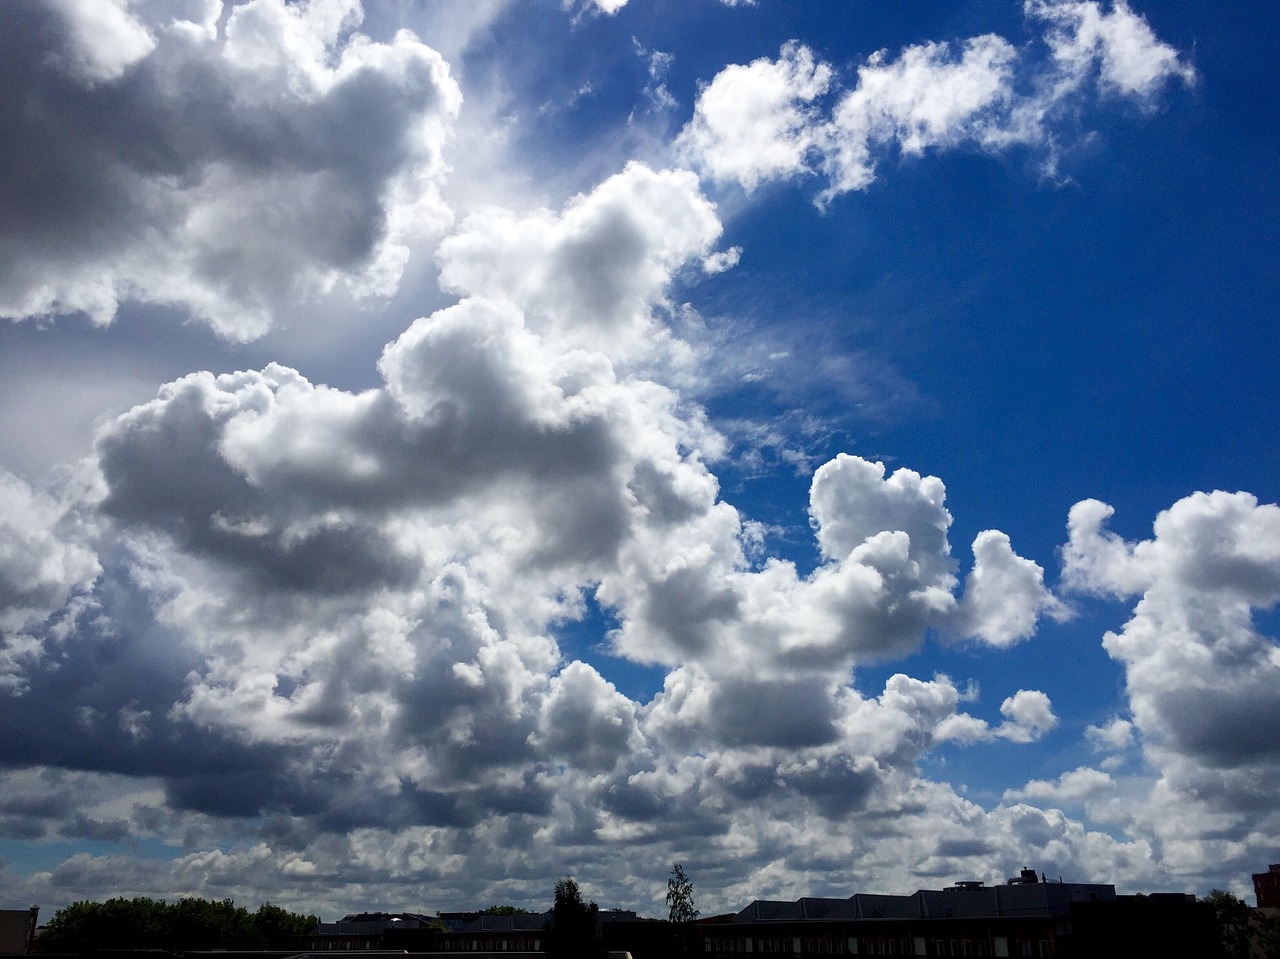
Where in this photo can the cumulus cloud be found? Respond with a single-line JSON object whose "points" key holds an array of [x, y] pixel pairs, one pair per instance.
{"points": [[1072, 787], [312, 640], [1004, 595], [1115, 735], [1028, 716], [766, 121], [269, 159], [592, 273], [102, 39], [326, 619], [47, 565], [1129, 58], [44, 553], [756, 122], [887, 576], [1202, 680]]}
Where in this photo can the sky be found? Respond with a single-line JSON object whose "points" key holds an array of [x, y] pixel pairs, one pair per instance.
{"points": [[446, 445]]}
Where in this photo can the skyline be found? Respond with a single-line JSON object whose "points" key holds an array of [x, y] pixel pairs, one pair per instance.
{"points": [[449, 446]]}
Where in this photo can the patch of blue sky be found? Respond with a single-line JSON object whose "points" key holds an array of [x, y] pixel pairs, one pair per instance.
{"points": [[586, 639], [36, 855]]}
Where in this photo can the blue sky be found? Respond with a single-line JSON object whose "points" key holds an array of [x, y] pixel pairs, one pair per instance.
{"points": [[451, 445]]}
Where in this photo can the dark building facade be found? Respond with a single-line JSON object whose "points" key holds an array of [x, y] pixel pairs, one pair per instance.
{"points": [[18, 929], [1023, 918], [1266, 886]]}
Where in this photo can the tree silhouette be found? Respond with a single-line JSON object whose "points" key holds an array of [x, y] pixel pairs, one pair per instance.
{"points": [[574, 932], [1246, 932], [680, 896]]}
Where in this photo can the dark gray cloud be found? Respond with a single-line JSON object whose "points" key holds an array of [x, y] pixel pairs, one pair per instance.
{"points": [[1225, 728], [773, 713], [162, 162], [164, 470]]}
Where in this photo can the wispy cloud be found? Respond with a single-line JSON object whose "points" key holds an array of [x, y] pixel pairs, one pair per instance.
{"points": [[769, 120]]}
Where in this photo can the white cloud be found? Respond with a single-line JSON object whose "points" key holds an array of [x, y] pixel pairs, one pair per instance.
{"points": [[236, 186], [47, 563], [763, 121], [586, 721], [591, 274], [102, 38], [336, 610], [1130, 59], [1073, 787], [756, 122], [1005, 595], [1202, 681], [1115, 735], [1029, 715], [691, 596], [309, 638], [925, 98]]}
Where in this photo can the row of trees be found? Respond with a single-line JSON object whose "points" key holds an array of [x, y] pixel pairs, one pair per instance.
{"points": [[143, 923]]}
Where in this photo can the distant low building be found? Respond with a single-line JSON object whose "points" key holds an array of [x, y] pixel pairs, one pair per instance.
{"points": [[362, 931], [1026, 917], [1023, 918]]}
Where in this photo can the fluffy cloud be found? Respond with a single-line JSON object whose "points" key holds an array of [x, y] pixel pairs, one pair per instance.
{"points": [[1117, 734], [1202, 680], [1005, 595], [262, 161], [1072, 787], [1028, 716], [925, 98], [888, 575], [46, 560], [591, 275], [1119, 44], [762, 122], [334, 612], [324, 645], [44, 555], [756, 122]]}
